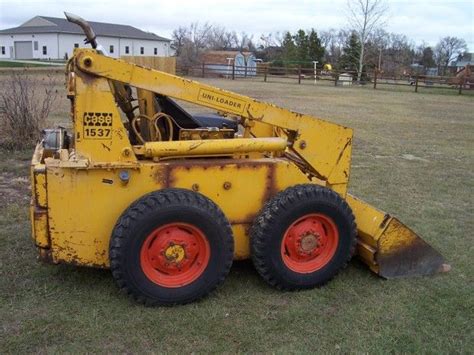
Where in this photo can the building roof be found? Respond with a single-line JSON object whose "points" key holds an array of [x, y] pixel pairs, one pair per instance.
{"points": [[45, 24]]}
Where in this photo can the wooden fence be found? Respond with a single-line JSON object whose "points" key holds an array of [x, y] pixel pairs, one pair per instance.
{"points": [[166, 64], [303, 75]]}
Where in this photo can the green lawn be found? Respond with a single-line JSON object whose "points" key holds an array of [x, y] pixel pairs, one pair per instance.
{"points": [[413, 157]]}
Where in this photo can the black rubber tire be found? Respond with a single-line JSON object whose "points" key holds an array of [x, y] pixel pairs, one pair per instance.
{"points": [[278, 214], [156, 209]]}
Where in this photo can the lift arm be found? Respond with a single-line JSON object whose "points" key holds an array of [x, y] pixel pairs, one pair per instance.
{"points": [[324, 147]]}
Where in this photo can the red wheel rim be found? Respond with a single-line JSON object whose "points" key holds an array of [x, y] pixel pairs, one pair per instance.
{"points": [[175, 255], [309, 243]]}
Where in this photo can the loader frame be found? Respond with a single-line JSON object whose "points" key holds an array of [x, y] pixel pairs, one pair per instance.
{"points": [[79, 193]]}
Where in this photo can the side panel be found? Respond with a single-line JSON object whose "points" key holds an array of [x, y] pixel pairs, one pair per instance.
{"points": [[84, 204]]}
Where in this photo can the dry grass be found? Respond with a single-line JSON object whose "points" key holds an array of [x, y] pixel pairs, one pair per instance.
{"points": [[413, 156]]}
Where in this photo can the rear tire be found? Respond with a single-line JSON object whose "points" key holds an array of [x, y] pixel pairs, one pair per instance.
{"points": [[303, 237], [172, 246]]}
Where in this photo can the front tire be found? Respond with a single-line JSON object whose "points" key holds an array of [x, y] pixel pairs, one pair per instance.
{"points": [[303, 237], [172, 246]]}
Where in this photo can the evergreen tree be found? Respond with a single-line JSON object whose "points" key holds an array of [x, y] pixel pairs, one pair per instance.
{"points": [[427, 59], [289, 48], [302, 46], [351, 51], [315, 49]]}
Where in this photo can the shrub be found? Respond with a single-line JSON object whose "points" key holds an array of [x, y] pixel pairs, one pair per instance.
{"points": [[25, 103]]}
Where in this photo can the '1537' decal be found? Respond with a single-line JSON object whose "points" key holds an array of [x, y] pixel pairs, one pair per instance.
{"points": [[97, 125]]}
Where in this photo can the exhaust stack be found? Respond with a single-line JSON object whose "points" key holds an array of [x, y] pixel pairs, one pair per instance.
{"points": [[88, 31]]}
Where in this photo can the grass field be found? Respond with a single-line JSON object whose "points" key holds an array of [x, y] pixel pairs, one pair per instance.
{"points": [[413, 156]]}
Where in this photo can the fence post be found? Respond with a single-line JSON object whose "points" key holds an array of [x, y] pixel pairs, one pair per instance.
{"points": [[375, 78], [461, 84], [416, 83], [245, 75], [336, 77], [203, 69], [299, 74], [233, 70], [265, 69]]}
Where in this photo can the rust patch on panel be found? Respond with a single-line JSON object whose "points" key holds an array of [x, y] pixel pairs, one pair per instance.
{"points": [[271, 187], [166, 176], [162, 175]]}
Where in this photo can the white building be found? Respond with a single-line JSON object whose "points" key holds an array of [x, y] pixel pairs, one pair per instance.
{"points": [[55, 38]]}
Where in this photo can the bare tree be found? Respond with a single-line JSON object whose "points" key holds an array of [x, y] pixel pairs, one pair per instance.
{"points": [[365, 16], [179, 37], [245, 42], [447, 49], [221, 39], [334, 41], [267, 40], [189, 42]]}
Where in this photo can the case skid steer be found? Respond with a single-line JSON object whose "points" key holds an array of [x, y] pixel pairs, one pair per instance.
{"points": [[167, 200]]}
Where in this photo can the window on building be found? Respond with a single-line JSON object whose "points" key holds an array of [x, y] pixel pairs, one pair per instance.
{"points": [[155, 50], [76, 45], [45, 50], [3, 50], [35, 44], [111, 49], [142, 50], [127, 50]]}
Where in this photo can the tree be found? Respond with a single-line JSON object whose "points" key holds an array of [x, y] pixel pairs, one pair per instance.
{"points": [[365, 16], [302, 46], [350, 53], [427, 59], [315, 49], [245, 42], [448, 49], [267, 40], [179, 37], [376, 48], [221, 39], [289, 48], [190, 41], [333, 42]]}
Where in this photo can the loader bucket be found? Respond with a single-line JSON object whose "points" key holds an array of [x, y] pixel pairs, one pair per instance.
{"points": [[390, 248]]}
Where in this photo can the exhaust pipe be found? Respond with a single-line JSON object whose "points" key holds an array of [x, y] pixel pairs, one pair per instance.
{"points": [[88, 31]]}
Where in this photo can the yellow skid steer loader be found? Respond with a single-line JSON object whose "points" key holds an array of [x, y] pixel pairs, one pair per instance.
{"points": [[167, 200]]}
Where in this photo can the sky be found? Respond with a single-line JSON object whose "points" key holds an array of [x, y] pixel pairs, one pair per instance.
{"points": [[420, 20]]}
